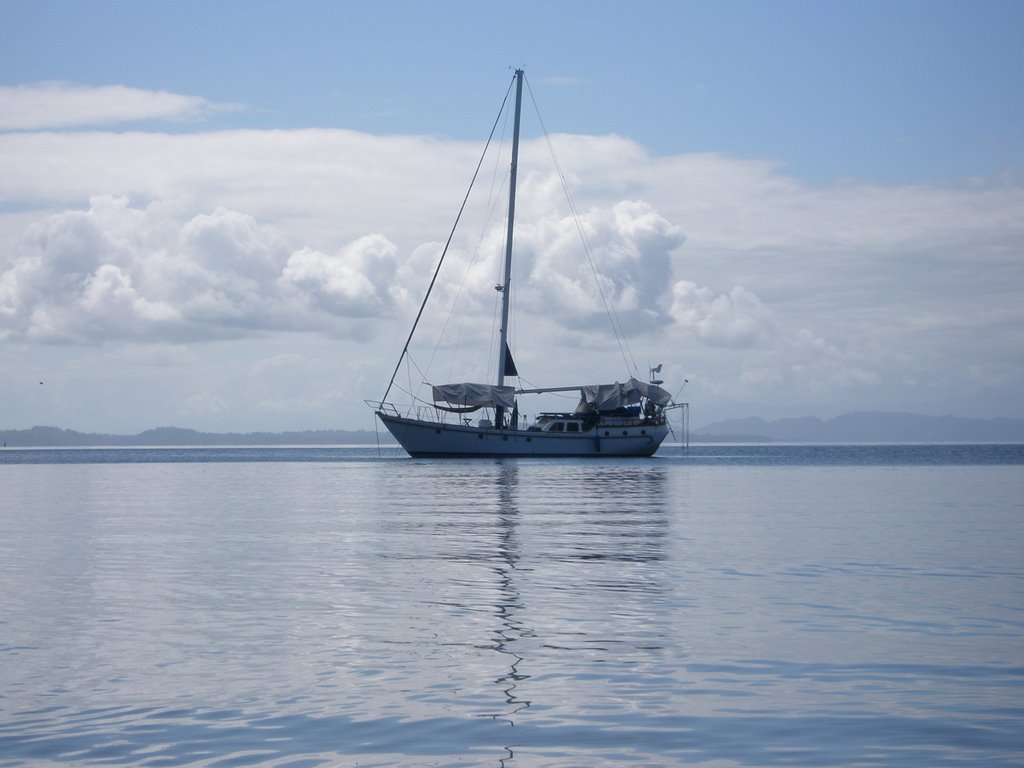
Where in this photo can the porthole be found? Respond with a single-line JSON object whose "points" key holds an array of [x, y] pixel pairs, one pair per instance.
{"points": [[504, 437], [437, 431], [480, 436], [624, 433], [529, 439], [643, 431], [607, 433]]}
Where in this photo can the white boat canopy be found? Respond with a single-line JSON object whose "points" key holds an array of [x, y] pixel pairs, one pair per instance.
{"points": [[475, 395], [608, 397]]}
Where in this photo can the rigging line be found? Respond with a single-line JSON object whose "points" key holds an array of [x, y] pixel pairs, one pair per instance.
{"points": [[492, 207], [409, 365], [492, 361], [413, 393], [599, 279], [458, 295], [496, 200], [440, 261], [529, 383], [494, 355], [492, 344], [616, 323]]}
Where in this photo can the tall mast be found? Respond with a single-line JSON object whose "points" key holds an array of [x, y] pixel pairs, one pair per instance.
{"points": [[503, 343]]}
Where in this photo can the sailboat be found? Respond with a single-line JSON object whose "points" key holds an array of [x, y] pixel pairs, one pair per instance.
{"points": [[619, 419]]}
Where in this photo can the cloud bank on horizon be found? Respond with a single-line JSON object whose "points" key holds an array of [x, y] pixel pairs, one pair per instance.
{"points": [[264, 279]]}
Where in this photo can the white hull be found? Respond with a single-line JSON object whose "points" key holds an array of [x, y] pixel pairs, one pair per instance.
{"points": [[431, 438]]}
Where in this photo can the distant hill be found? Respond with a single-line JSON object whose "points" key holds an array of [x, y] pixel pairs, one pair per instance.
{"points": [[40, 437], [867, 427]]}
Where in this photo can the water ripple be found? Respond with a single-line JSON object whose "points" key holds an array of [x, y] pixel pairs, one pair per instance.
{"points": [[416, 613]]}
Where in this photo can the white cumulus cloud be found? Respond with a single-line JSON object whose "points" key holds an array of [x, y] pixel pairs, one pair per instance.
{"points": [[355, 282], [43, 105], [619, 255], [733, 319], [116, 271]]}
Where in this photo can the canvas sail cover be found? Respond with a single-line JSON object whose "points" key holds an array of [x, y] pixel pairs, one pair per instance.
{"points": [[608, 397], [474, 395]]}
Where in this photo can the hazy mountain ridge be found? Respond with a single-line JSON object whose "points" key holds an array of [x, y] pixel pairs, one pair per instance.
{"points": [[40, 437], [868, 426]]}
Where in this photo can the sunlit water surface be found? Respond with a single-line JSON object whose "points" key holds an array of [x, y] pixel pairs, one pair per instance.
{"points": [[726, 606]]}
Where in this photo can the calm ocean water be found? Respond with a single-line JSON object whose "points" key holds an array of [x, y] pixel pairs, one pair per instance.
{"points": [[725, 606]]}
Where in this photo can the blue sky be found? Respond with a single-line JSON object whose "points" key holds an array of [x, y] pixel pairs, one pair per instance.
{"points": [[905, 91], [823, 198]]}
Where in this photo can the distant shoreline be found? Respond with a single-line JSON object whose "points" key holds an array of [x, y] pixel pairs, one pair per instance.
{"points": [[861, 427], [164, 437]]}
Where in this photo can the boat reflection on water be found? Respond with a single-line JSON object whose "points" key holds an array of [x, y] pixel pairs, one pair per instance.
{"points": [[510, 630], [549, 561]]}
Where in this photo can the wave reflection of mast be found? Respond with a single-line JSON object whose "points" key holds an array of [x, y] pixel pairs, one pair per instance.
{"points": [[510, 629]]}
